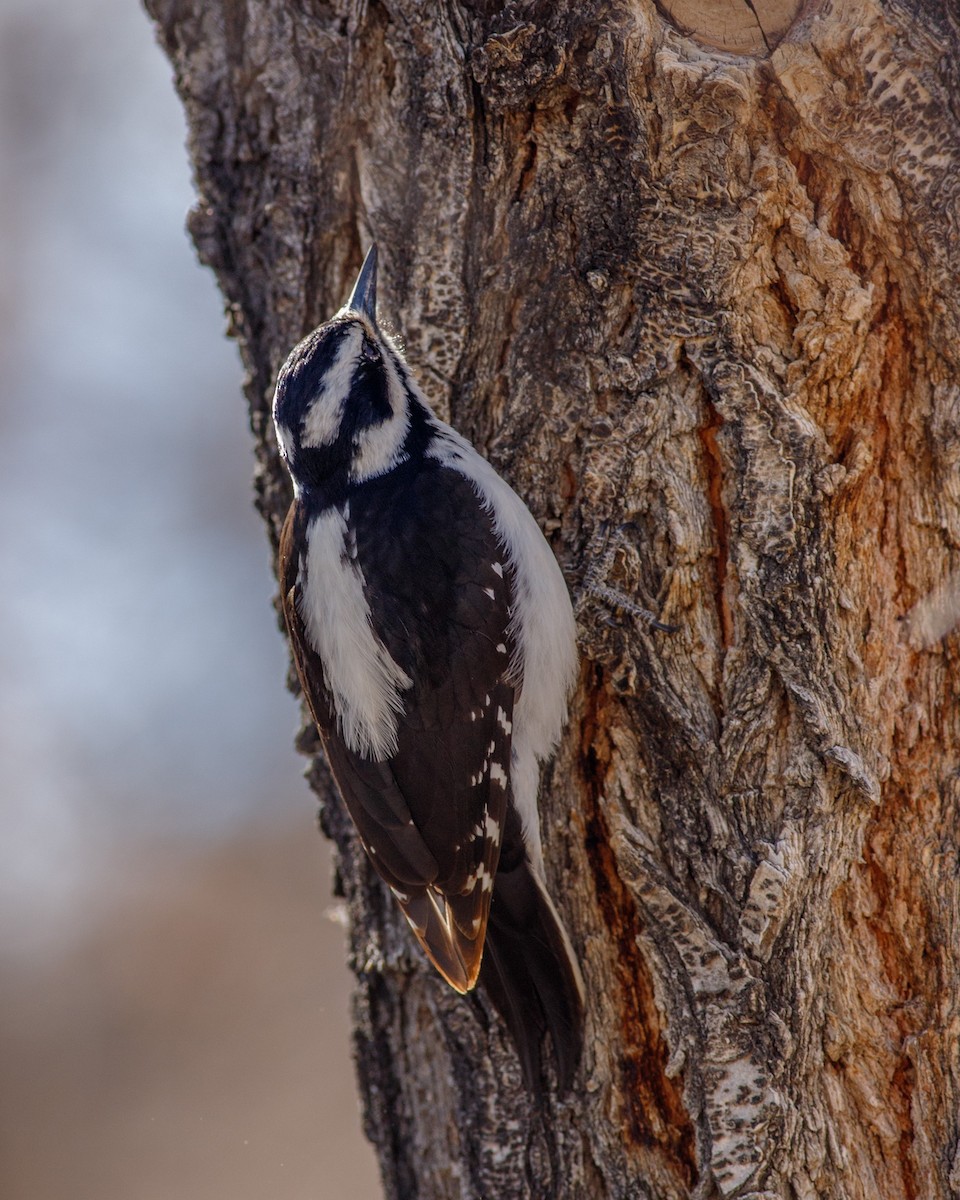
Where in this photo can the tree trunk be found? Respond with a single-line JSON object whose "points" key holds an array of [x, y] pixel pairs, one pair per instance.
{"points": [[701, 309]]}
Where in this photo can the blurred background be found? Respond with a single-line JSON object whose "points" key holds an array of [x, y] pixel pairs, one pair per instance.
{"points": [[173, 995]]}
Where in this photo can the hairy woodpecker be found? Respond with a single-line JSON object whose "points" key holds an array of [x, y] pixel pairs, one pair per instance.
{"points": [[434, 639]]}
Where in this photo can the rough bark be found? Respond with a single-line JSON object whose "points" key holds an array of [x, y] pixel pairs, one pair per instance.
{"points": [[702, 311]]}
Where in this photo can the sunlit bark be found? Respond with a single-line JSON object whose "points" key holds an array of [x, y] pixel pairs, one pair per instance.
{"points": [[702, 311]]}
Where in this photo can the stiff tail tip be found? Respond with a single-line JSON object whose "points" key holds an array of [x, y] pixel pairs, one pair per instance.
{"points": [[531, 974]]}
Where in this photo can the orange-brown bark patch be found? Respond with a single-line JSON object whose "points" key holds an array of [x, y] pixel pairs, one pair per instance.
{"points": [[654, 1116], [713, 468]]}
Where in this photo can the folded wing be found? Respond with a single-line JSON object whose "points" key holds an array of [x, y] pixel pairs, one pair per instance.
{"points": [[431, 816]]}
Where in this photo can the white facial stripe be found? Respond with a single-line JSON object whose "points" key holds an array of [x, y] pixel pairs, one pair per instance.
{"points": [[322, 422], [363, 678], [379, 448]]}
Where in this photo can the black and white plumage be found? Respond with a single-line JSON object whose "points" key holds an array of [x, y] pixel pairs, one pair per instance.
{"points": [[434, 639]]}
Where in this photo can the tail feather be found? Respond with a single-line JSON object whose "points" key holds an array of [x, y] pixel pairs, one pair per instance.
{"points": [[532, 976], [454, 953]]}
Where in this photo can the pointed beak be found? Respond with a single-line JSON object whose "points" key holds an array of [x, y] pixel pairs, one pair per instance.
{"points": [[363, 298]]}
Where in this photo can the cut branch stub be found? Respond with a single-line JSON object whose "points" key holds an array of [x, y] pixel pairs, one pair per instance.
{"points": [[738, 26]]}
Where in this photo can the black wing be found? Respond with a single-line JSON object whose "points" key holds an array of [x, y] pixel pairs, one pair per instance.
{"points": [[431, 817]]}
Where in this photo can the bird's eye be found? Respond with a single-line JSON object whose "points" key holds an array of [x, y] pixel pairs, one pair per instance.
{"points": [[370, 350]]}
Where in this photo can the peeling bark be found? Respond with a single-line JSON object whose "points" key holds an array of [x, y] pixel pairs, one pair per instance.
{"points": [[702, 311]]}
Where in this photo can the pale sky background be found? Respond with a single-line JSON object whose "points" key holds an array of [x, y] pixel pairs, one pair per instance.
{"points": [[142, 675], [147, 776]]}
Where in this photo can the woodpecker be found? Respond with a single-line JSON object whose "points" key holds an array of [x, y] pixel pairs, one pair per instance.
{"points": [[434, 640]]}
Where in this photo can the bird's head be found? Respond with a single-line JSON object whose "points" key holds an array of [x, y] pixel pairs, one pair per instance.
{"points": [[342, 407]]}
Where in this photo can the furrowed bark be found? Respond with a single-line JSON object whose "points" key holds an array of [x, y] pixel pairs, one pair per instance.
{"points": [[693, 288]]}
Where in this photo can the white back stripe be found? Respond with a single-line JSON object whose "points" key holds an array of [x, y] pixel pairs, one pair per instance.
{"points": [[364, 681], [542, 619], [542, 624]]}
